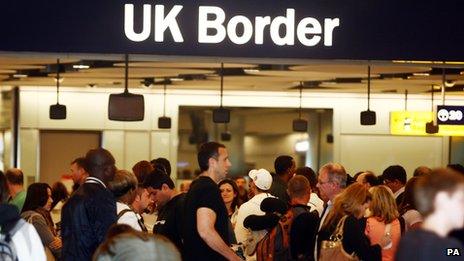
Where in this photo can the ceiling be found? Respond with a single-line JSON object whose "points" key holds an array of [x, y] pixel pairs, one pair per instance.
{"points": [[320, 76]]}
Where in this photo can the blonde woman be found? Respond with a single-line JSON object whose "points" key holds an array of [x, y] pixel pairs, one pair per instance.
{"points": [[349, 207], [383, 220]]}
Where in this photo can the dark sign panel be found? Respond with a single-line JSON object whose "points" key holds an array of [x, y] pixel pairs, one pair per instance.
{"points": [[450, 115], [308, 29]]}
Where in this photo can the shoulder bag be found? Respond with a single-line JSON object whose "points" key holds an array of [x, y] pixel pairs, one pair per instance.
{"points": [[332, 249]]}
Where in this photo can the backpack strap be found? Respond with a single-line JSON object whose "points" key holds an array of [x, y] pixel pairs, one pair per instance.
{"points": [[122, 212]]}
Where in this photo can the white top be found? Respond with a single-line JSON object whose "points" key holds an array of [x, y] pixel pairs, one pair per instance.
{"points": [[27, 244], [411, 217], [398, 192], [251, 207], [315, 203], [130, 218]]}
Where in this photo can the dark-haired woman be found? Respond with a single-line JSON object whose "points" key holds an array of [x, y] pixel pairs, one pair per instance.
{"points": [[36, 210], [407, 207], [229, 193]]}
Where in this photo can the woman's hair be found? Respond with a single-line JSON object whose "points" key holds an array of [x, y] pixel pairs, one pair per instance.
{"points": [[408, 202], [348, 202], [3, 188], [142, 169], [123, 186], [236, 200], [383, 205], [134, 245], [59, 193], [36, 196]]}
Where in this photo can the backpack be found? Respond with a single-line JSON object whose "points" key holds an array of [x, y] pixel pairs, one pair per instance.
{"points": [[139, 221], [276, 244], [7, 248]]}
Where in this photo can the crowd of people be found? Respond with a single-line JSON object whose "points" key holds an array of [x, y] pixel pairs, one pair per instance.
{"points": [[290, 214]]}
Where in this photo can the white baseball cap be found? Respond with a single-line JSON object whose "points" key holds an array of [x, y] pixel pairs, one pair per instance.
{"points": [[261, 177]]}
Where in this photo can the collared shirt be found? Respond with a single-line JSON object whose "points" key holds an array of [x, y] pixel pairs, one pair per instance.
{"points": [[95, 181], [315, 203], [398, 192], [18, 200]]}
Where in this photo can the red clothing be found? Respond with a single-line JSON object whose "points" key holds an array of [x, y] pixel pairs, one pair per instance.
{"points": [[375, 230]]}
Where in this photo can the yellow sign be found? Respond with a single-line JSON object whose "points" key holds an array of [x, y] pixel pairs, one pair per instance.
{"points": [[413, 123]]}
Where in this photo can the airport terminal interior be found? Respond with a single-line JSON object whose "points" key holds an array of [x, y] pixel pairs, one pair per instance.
{"points": [[264, 98]]}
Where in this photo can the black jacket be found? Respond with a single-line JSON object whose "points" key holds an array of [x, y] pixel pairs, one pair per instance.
{"points": [[86, 217]]}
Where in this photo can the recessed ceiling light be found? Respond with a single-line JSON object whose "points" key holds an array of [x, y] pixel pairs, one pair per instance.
{"points": [[251, 70], [20, 75], [81, 66], [176, 79], [421, 74]]}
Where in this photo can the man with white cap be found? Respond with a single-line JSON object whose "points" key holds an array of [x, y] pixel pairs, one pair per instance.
{"points": [[260, 184]]}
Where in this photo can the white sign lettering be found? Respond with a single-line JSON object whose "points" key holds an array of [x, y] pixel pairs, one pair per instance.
{"points": [[213, 27]]}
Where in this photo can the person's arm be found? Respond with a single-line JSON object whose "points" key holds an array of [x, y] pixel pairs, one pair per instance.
{"points": [[46, 235], [205, 226]]}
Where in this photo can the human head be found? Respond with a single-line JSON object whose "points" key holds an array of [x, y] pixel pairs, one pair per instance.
{"points": [[3, 188], [368, 179], [441, 193], [141, 169], [134, 245], [160, 186], [14, 180], [240, 182], [39, 195], [331, 180], [421, 171], [260, 180], [299, 189], [309, 174], [214, 159], [354, 200], [284, 166], [163, 162], [394, 177], [78, 170], [100, 164], [59, 193], [123, 186], [229, 192], [383, 205]]}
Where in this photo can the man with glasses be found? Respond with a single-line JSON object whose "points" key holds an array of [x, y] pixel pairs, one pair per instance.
{"points": [[331, 181]]}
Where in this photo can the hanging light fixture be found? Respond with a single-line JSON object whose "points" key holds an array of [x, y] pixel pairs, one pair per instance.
{"points": [[407, 120], [368, 117], [300, 124], [226, 135], [57, 111], [164, 122], [126, 106], [431, 127], [221, 114]]}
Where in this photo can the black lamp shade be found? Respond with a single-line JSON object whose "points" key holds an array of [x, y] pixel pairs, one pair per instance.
{"points": [[57, 112], [164, 122], [226, 136], [126, 107], [430, 128], [368, 118], [221, 115], [300, 125]]}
